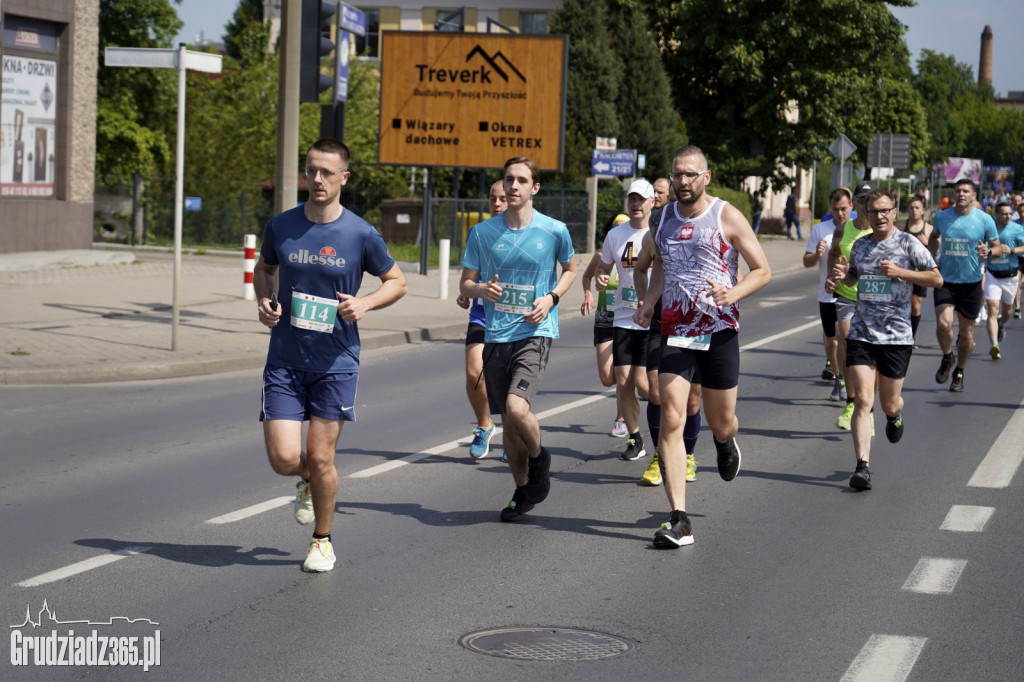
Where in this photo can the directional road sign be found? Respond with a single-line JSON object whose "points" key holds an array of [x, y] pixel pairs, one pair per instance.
{"points": [[887, 150], [621, 162]]}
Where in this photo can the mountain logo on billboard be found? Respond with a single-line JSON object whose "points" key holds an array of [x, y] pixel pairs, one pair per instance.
{"points": [[493, 60]]}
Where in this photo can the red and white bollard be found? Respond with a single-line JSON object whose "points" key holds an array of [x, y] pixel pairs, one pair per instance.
{"points": [[249, 293]]}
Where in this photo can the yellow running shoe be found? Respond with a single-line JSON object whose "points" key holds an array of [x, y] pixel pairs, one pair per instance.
{"points": [[844, 419], [653, 474], [691, 468]]}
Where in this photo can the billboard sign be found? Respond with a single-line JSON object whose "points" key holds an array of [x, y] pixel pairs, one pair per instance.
{"points": [[472, 100]]}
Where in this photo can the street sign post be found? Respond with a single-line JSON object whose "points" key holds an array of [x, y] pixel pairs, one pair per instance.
{"points": [[180, 59], [842, 148], [620, 163], [887, 150]]}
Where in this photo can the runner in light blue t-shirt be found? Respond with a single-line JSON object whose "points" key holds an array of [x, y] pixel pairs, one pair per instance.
{"points": [[962, 236], [511, 261]]}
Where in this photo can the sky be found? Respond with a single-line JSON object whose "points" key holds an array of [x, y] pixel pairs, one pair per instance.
{"points": [[950, 27]]}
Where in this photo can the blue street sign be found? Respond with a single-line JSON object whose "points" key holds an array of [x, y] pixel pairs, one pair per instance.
{"points": [[621, 162], [193, 203], [353, 20]]}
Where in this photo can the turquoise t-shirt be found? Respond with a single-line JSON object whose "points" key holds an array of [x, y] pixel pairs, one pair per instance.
{"points": [[526, 261], [1013, 236], [959, 261]]}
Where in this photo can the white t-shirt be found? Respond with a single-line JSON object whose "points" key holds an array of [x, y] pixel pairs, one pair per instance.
{"points": [[622, 247], [822, 232]]}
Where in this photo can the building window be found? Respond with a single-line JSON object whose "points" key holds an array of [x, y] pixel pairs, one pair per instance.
{"points": [[369, 45], [533, 23]]}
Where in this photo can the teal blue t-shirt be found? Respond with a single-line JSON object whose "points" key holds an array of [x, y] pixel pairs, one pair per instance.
{"points": [[959, 261], [1013, 236], [526, 261]]}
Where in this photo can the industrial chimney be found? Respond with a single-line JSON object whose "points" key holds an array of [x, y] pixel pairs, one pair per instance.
{"points": [[985, 63]]}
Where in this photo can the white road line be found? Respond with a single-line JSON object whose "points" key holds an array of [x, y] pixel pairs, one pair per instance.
{"points": [[885, 658], [253, 510], [83, 566], [1003, 459], [445, 447], [781, 335], [934, 575], [967, 518]]}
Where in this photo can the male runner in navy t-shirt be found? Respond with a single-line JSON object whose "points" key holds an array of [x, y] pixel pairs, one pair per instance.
{"points": [[317, 253]]}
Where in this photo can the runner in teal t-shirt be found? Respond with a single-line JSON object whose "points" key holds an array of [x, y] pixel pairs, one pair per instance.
{"points": [[962, 236], [1001, 276], [511, 261]]}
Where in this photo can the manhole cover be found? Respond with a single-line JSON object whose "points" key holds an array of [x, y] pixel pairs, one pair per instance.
{"points": [[546, 644]]}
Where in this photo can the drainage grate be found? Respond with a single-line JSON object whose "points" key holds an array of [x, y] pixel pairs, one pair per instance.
{"points": [[546, 644]]}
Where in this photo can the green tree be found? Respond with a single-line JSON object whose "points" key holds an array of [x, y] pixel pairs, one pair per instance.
{"points": [[648, 120], [940, 80], [763, 86], [135, 107], [595, 78], [246, 37]]}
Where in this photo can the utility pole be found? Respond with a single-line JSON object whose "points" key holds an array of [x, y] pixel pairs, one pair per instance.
{"points": [[286, 174]]}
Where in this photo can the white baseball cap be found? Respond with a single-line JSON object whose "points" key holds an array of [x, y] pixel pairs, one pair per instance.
{"points": [[641, 187]]}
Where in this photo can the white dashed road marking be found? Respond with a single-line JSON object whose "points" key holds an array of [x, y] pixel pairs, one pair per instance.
{"points": [[967, 518], [83, 566], [253, 510], [1003, 459], [935, 576], [885, 658]]}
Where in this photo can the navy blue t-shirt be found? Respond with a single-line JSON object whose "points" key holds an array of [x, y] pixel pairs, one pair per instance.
{"points": [[316, 260]]}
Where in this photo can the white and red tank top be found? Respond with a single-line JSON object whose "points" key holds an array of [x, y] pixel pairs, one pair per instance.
{"points": [[693, 251]]}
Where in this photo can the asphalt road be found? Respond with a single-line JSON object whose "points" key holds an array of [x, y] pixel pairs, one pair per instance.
{"points": [[109, 492]]}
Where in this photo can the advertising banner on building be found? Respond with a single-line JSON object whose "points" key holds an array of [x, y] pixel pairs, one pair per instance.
{"points": [[958, 168], [28, 123], [472, 100], [998, 178]]}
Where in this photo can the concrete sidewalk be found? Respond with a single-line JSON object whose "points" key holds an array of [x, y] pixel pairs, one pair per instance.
{"points": [[105, 315]]}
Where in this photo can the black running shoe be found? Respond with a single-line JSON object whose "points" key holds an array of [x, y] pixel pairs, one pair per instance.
{"points": [[674, 533], [728, 459], [827, 374], [957, 385], [538, 481], [861, 479], [894, 428], [634, 450], [517, 507], [943, 374], [1001, 334]]}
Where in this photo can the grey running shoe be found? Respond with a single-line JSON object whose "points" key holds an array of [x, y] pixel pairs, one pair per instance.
{"points": [[957, 385], [674, 533], [838, 391], [944, 366]]}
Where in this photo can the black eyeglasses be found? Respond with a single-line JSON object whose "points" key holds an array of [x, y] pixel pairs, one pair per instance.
{"points": [[872, 212]]}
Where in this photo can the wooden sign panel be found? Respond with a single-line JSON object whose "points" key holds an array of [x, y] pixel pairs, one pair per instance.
{"points": [[472, 100]]}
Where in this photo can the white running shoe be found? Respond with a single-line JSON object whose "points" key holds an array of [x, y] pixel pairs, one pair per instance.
{"points": [[320, 557], [619, 429], [303, 504]]}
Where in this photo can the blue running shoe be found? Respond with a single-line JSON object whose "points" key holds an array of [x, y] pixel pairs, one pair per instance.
{"points": [[481, 444]]}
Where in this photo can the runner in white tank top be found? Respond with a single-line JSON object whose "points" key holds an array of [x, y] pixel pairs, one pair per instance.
{"points": [[695, 273]]}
